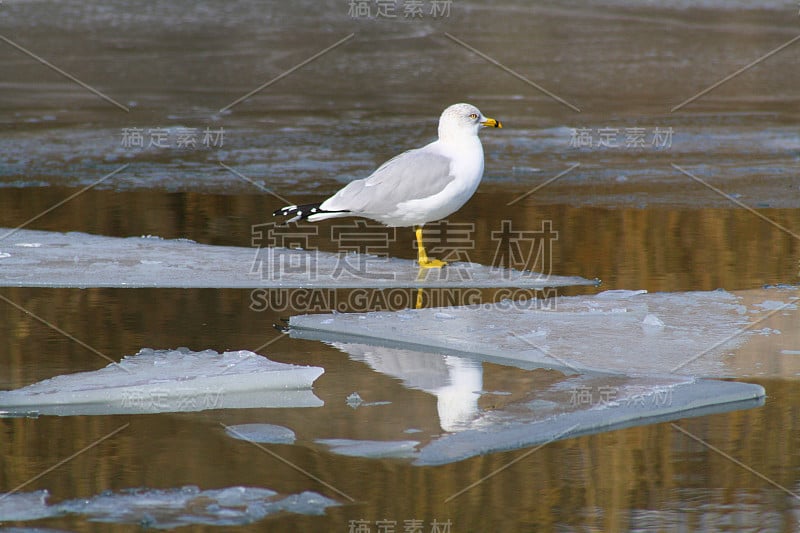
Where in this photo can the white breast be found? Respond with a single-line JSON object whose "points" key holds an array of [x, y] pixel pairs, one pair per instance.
{"points": [[467, 167]]}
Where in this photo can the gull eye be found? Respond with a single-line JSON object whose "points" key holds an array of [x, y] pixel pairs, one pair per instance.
{"points": [[473, 116]]}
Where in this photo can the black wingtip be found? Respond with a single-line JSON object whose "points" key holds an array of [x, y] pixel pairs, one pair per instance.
{"points": [[302, 212], [297, 212], [283, 328], [285, 211]]}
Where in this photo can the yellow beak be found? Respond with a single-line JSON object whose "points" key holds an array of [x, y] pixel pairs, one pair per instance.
{"points": [[491, 123]]}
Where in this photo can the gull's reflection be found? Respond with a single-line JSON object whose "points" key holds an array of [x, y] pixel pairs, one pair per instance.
{"points": [[457, 402], [455, 381]]}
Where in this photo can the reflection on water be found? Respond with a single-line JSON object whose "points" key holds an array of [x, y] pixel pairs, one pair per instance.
{"points": [[456, 382], [608, 481]]}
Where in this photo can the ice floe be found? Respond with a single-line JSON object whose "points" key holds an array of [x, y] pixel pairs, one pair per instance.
{"points": [[593, 363], [22, 506], [31, 530], [167, 508], [539, 405], [30, 258], [154, 381], [355, 401], [620, 332], [371, 448], [508, 429], [262, 433]]}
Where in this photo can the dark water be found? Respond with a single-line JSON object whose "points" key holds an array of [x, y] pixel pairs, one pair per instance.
{"points": [[625, 215]]}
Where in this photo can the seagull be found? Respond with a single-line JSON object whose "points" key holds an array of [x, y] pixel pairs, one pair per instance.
{"points": [[417, 186]]}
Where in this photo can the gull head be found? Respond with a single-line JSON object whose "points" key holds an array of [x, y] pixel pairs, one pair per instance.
{"points": [[463, 119]]}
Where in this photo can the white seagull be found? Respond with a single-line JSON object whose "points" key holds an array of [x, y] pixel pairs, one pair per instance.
{"points": [[417, 186]]}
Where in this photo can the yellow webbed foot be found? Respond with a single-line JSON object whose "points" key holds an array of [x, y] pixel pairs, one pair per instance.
{"points": [[422, 257], [432, 263]]}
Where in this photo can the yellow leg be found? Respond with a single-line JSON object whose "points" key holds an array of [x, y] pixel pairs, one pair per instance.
{"points": [[419, 299], [424, 262]]}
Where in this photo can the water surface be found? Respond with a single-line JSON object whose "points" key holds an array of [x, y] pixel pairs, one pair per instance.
{"points": [[624, 215]]}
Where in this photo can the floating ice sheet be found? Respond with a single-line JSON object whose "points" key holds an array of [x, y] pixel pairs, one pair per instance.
{"points": [[264, 433], [154, 381], [32, 530], [22, 506], [620, 332], [371, 448], [538, 406], [507, 430], [168, 509], [31, 258]]}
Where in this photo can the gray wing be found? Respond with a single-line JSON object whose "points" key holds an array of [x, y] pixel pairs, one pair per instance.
{"points": [[409, 176]]}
